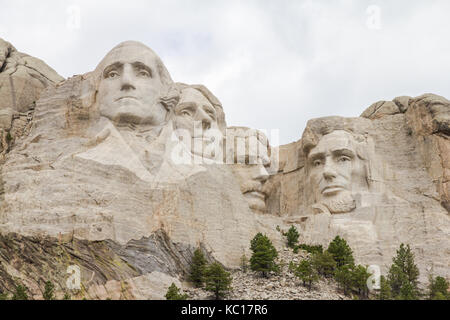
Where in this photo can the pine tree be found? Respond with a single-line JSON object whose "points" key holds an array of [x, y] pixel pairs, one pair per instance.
{"points": [[173, 293], [438, 288], [407, 292], [359, 280], [244, 263], [385, 289], [198, 266], [67, 296], [217, 280], [21, 293], [291, 236], [343, 276], [324, 263], [306, 273], [49, 291], [264, 255], [341, 252], [403, 274]]}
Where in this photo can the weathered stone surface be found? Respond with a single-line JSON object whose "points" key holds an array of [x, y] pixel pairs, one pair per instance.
{"points": [[22, 78]]}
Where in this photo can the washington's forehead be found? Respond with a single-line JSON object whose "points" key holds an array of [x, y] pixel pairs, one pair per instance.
{"points": [[129, 54]]}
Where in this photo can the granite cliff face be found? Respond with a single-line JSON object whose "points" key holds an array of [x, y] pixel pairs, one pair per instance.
{"points": [[124, 173]]}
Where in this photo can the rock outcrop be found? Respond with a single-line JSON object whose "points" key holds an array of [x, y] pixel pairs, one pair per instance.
{"points": [[22, 79], [124, 173]]}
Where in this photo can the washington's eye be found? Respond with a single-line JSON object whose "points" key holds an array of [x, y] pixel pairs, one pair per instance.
{"points": [[112, 74], [144, 73]]}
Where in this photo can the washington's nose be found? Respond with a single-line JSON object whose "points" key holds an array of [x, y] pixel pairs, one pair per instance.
{"points": [[127, 79]]}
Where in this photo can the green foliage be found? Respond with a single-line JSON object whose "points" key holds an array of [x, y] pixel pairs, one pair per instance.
{"points": [[385, 289], [306, 272], [173, 293], [49, 291], [403, 275], [264, 255], [217, 280], [438, 288], [291, 236], [244, 263], [324, 263], [359, 280], [341, 252], [407, 292], [67, 296], [310, 248], [198, 265], [344, 277], [3, 296], [20, 293]]}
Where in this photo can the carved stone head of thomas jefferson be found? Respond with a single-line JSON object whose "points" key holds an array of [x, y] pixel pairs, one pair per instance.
{"points": [[130, 79]]}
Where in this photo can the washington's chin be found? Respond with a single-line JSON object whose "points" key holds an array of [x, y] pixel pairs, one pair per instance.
{"points": [[132, 114], [256, 201]]}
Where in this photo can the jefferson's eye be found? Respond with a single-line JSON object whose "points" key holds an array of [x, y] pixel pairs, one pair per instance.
{"points": [[343, 159], [317, 163], [185, 113]]}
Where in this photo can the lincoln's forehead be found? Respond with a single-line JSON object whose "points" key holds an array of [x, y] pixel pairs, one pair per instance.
{"points": [[336, 140]]}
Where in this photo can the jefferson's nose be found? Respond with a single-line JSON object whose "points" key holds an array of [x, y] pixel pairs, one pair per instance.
{"points": [[204, 118], [329, 171], [127, 78]]}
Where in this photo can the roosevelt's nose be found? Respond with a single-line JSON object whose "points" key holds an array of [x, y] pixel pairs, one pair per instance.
{"points": [[260, 173], [329, 171], [127, 79]]}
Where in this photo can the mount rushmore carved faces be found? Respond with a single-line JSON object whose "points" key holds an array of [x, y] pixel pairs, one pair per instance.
{"points": [[131, 78], [336, 170]]}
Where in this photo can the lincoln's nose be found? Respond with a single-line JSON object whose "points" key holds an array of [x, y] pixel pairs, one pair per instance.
{"points": [[328, 172]]}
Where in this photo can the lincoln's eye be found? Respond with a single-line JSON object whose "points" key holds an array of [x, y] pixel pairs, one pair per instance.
{"points": [[317, 163]]}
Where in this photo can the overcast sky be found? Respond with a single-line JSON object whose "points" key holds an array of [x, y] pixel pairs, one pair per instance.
{"points": [[273, 64]]}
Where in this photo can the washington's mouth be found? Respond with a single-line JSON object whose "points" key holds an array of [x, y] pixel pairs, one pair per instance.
{"points": [[332, 189], [126, 97]]}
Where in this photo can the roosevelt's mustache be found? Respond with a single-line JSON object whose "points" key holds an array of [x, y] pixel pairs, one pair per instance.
{"points": [[252, 185]]}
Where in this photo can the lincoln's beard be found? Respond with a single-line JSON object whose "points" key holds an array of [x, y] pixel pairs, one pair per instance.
{"points": [[340, 203]]}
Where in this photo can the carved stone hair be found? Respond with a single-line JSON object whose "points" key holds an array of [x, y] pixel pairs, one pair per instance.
{"points": [[171, 98]]}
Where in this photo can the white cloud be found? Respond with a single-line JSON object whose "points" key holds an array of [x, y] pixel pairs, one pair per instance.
{"points": [[272, 64]]}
